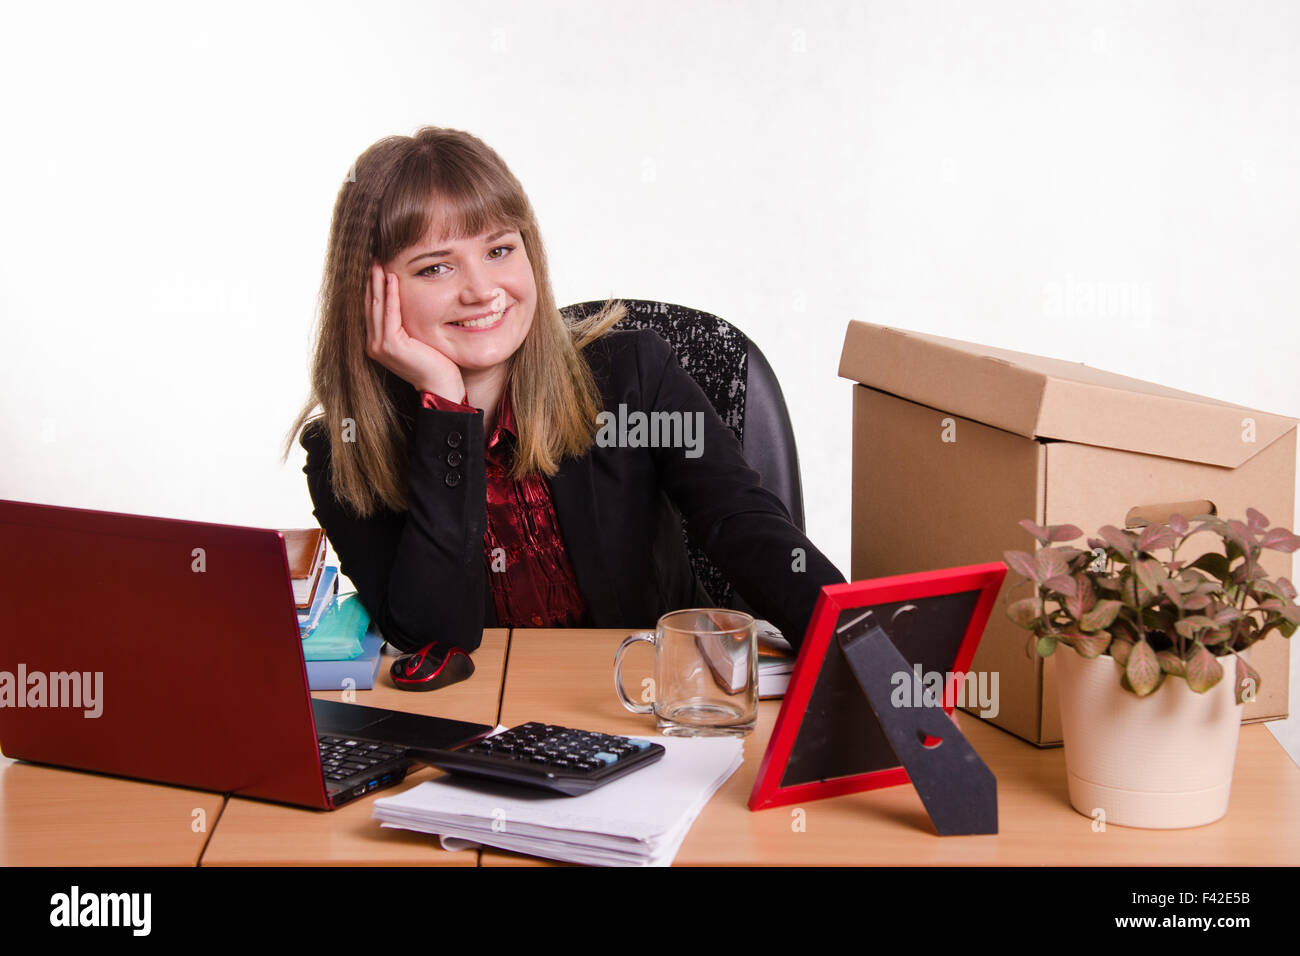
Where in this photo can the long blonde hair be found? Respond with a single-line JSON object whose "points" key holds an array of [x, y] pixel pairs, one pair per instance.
{"points": [[390, 201]]}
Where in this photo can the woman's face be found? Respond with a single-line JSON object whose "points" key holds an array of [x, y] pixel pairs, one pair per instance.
{"points": [[471, 299]]}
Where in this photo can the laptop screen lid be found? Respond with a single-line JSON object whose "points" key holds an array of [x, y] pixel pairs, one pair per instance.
{"points": [[153, 648]]}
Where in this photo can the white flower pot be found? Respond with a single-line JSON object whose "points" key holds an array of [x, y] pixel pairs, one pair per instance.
{"points": [[1163, 761]]}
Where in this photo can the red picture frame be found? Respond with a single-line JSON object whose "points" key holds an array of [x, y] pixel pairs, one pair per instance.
{"points": [[833, 601]]}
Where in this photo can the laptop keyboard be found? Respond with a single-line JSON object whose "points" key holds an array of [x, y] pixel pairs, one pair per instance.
{"points": [[344, 757]]}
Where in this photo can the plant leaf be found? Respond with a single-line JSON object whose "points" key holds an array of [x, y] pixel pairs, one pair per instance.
{"points": [[1189, 626], [1070, 552], [1287, 588], [1046, 646], [1216, 636], [1084, 600], [1155, 537], [1062, 584], [1087, 591], [1255, 521], [1107, 582], [1213, 563], [1142, 669], [1171, 663], [1063, 532], [1203, 669], [1091, 645], [1178, 524], [1149, 577], [1022, 562], [1280, 539], [1117, 539], [1038, 532], [1101, 616], [1208, 523], [1120, 649], [1128, 591], [1226, 615], [1024, 612], [1050, 564], [1240, 534]]}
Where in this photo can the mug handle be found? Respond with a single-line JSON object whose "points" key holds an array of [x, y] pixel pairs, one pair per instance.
{"points": [[628, 641]]}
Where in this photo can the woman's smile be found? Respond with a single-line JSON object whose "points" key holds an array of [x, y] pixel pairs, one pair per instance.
{"points": [[482, 323]]}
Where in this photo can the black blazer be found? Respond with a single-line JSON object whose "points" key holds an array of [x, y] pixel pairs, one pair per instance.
{"points": [[422, 575]]}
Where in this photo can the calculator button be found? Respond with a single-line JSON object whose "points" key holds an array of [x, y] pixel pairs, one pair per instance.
{"points": [[604, 757]]}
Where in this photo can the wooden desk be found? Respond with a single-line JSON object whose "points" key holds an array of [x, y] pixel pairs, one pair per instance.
{"points": [[257, 833], [52, 817], [566, 677]]}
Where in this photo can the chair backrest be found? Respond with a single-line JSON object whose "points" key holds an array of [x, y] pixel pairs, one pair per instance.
{"points": [[740, 384]]}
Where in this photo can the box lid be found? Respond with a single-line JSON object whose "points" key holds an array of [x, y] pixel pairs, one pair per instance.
{"points": [[1040, 397]]}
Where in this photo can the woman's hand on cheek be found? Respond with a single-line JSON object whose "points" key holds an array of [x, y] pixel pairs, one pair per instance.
{"points": [[388, 343]]}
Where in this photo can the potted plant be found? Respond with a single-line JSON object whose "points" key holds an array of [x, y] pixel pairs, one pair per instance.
{"points": [[1149, 721]]}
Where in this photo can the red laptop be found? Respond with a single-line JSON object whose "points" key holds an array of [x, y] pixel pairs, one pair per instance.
{"points": [[169, 651]]}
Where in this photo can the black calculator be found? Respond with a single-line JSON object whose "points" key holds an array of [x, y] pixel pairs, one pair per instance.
{"points": [[558, 759]]}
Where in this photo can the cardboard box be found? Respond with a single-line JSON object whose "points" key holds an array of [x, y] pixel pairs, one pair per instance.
{"points": [[954, 443]]}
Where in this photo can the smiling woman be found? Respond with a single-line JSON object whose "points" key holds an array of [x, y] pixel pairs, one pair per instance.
{"points": [[454, 463], [434, 228]]}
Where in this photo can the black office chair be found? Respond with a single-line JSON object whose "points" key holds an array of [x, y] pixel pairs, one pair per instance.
{"points": [[741, 386]]}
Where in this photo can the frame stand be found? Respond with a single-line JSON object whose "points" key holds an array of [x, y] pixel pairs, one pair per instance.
{"points": [[957, 788]]}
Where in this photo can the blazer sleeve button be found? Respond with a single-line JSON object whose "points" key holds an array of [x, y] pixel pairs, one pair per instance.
{"points": [[454, 439], [452, 479], [454, 458]]}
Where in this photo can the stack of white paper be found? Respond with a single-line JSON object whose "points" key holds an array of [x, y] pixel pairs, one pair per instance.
{"points": [[638, 820]]}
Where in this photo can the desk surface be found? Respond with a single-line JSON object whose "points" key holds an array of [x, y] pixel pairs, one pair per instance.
{"points": [[57, 817], [565, 677], [253, 832], [52, 817]]}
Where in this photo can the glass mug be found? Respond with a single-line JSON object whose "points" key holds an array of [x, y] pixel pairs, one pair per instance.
{"points": [[705, 673]]}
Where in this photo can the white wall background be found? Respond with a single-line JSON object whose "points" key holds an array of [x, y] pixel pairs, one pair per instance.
{"points": [[948, 167]]}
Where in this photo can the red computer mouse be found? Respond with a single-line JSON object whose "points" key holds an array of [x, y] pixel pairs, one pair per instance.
{"points": [[431, 668]]}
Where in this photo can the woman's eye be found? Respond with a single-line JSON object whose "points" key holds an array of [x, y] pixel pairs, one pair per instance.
{"points": [[504, 250], [428, 270]]}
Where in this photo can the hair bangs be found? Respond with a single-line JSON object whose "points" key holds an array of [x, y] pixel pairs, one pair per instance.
{"points": [[458, 192]]}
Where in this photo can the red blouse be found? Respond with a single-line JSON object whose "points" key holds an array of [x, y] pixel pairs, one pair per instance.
{"points": [[532, 580]]}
